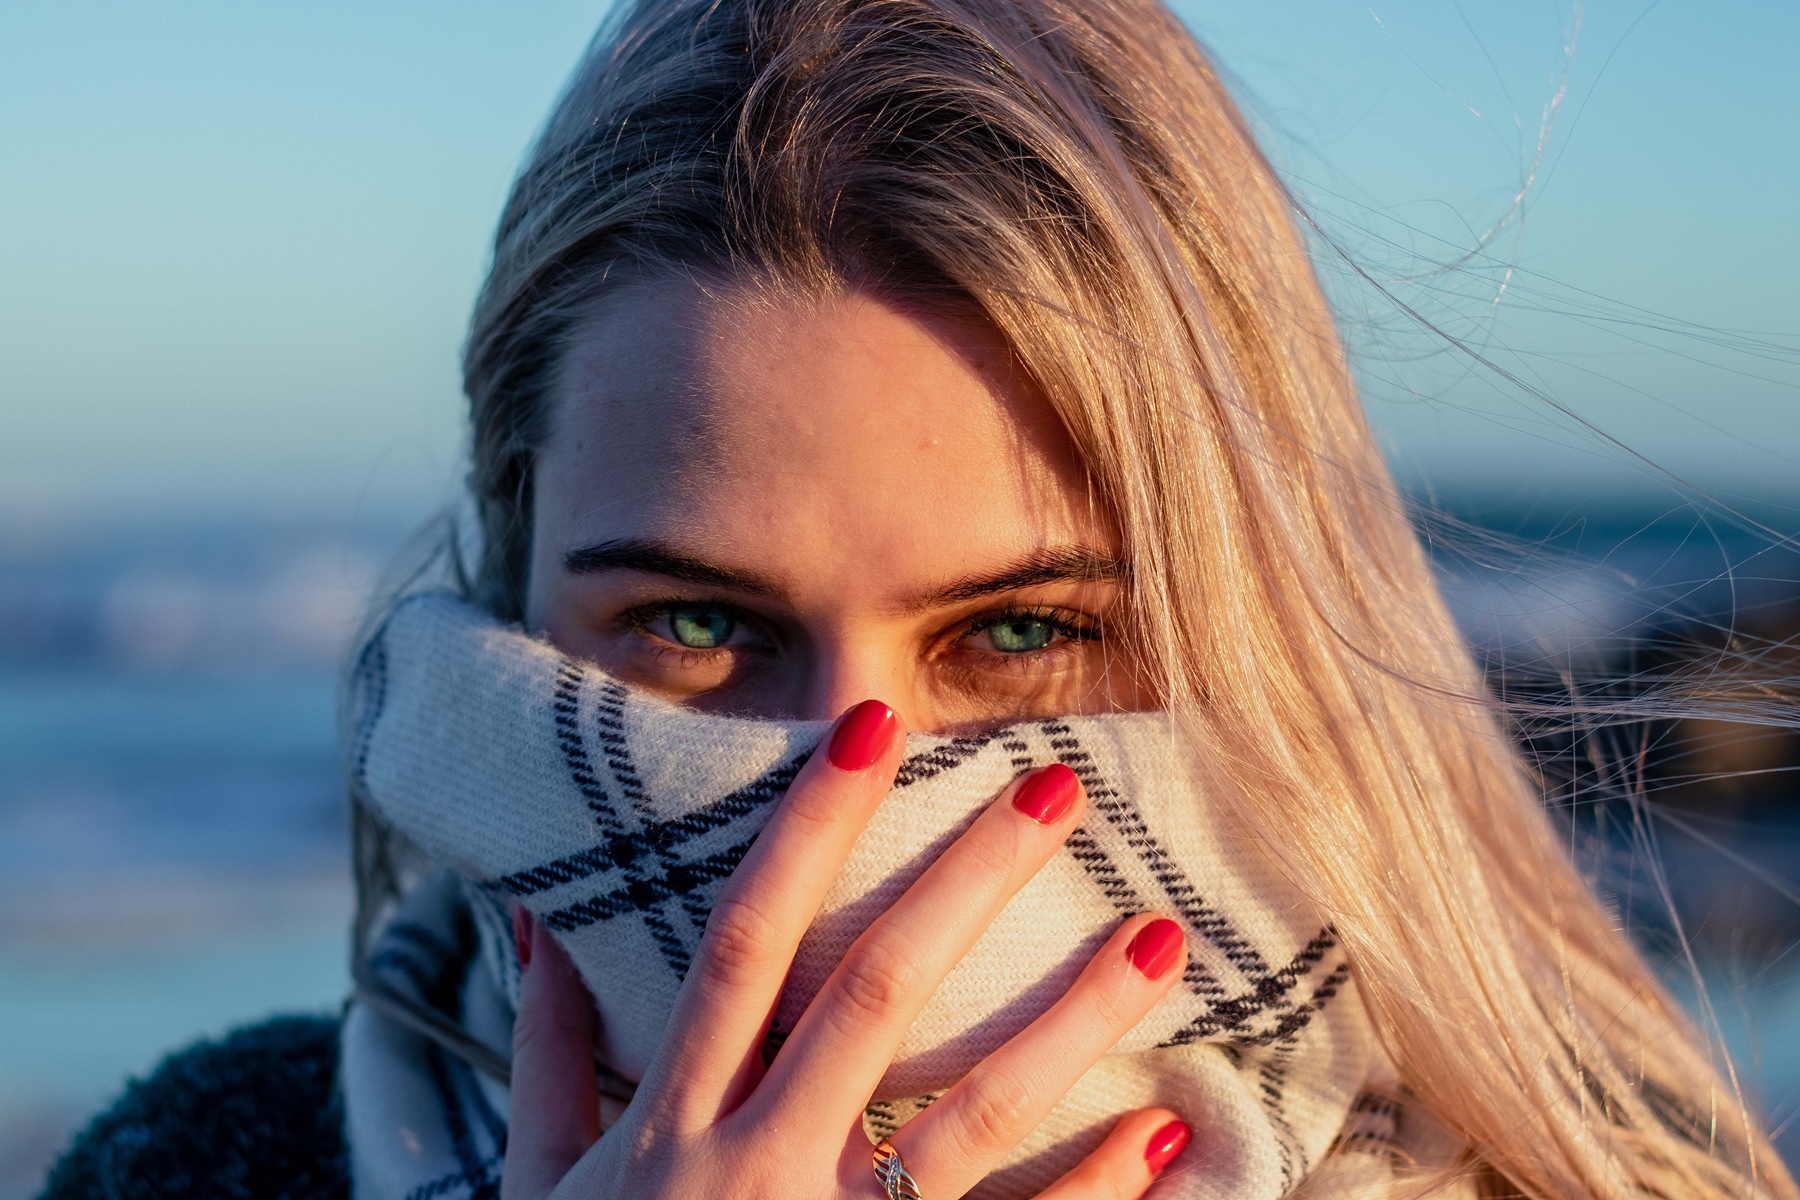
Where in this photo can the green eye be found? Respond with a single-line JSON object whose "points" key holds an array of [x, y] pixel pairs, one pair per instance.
{"points": [[701, 628], [1021, 635]]}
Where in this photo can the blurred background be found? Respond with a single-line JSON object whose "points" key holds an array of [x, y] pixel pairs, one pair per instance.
{"points": [[238, 245]]}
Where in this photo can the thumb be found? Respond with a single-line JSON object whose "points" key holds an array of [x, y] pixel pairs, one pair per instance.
{"points": [[555, 1110]]}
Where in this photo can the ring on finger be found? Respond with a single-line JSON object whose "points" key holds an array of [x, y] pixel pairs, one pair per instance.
{"points": [[893, 1177]]}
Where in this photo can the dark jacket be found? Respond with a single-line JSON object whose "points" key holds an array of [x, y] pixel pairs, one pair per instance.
{"points": [[255, 1114]]}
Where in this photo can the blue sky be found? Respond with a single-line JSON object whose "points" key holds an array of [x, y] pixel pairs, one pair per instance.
{"points": [[238, 241]]}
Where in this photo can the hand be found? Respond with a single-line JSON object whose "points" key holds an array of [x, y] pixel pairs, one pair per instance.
{"points": [[710, 1122]]}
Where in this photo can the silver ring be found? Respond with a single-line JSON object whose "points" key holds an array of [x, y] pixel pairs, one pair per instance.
{"points": [[893, 1177]]}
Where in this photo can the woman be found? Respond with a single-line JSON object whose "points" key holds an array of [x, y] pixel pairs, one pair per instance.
{"points": [[939, 365]]}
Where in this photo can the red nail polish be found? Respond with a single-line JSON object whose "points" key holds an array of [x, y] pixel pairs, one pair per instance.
{"points": [[1048, 794], [522, 935], [1156, 947], [862, 736], [1165, 1144]]}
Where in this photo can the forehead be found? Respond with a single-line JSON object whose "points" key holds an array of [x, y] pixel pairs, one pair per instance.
{"points": [[732, 419]]}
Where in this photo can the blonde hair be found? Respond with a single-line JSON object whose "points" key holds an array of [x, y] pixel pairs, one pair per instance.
{"points": [[1075, 169]]}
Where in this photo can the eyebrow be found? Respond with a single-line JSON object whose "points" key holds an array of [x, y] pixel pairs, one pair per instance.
{"points": [[658, 558], [1063, 564]]}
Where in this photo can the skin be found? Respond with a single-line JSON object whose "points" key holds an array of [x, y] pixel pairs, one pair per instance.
{"points": [[851, 483], [755, 504]]}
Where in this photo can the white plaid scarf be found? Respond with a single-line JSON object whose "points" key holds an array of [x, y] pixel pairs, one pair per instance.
{"points": [[537, 780]]}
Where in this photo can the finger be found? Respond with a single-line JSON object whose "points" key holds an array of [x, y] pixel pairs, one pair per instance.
{"points": [[843, 1043], [964, 1135], [1124, 1166], [751, 1067], [555, 1106], [757, 922]]}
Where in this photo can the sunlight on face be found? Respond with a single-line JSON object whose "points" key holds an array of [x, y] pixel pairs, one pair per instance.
{"points": [[780, 508]]}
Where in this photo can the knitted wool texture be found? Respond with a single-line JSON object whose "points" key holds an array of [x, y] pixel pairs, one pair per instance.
{"points": [[615, 818]]}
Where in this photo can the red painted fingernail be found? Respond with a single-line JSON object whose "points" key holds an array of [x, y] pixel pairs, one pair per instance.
{"points": [[1048, 794], [522, 935], [1156, 947], [862, 736], [1166, 1143]]}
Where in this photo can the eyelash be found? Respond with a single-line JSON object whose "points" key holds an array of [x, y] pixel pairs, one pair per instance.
{"points": [[640, 615], [1062, 620], [1066, 622]]}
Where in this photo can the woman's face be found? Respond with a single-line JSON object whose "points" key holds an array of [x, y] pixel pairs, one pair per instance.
{"points": [[780, 508]]}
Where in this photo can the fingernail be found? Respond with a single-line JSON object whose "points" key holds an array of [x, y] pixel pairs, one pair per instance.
{"points": [[862, 736], [522, 935], [1048, 794], [1155, 948], [1166, 1143]]}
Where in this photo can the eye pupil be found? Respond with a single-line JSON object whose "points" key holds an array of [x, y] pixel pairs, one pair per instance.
{"points": [[701, 628], [1021, 635]]}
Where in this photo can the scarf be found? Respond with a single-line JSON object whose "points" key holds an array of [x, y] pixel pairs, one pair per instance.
{"points": [[531, 778]]}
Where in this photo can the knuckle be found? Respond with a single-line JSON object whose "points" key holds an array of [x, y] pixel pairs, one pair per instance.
{"points": [[1110, 1006], [665, 1118], [739, 937], [1096, 1180], [996, 1112], [990, 855], [876, 980], [815, 809], [540, 1033], [530, 1030], [655, 1141]]}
